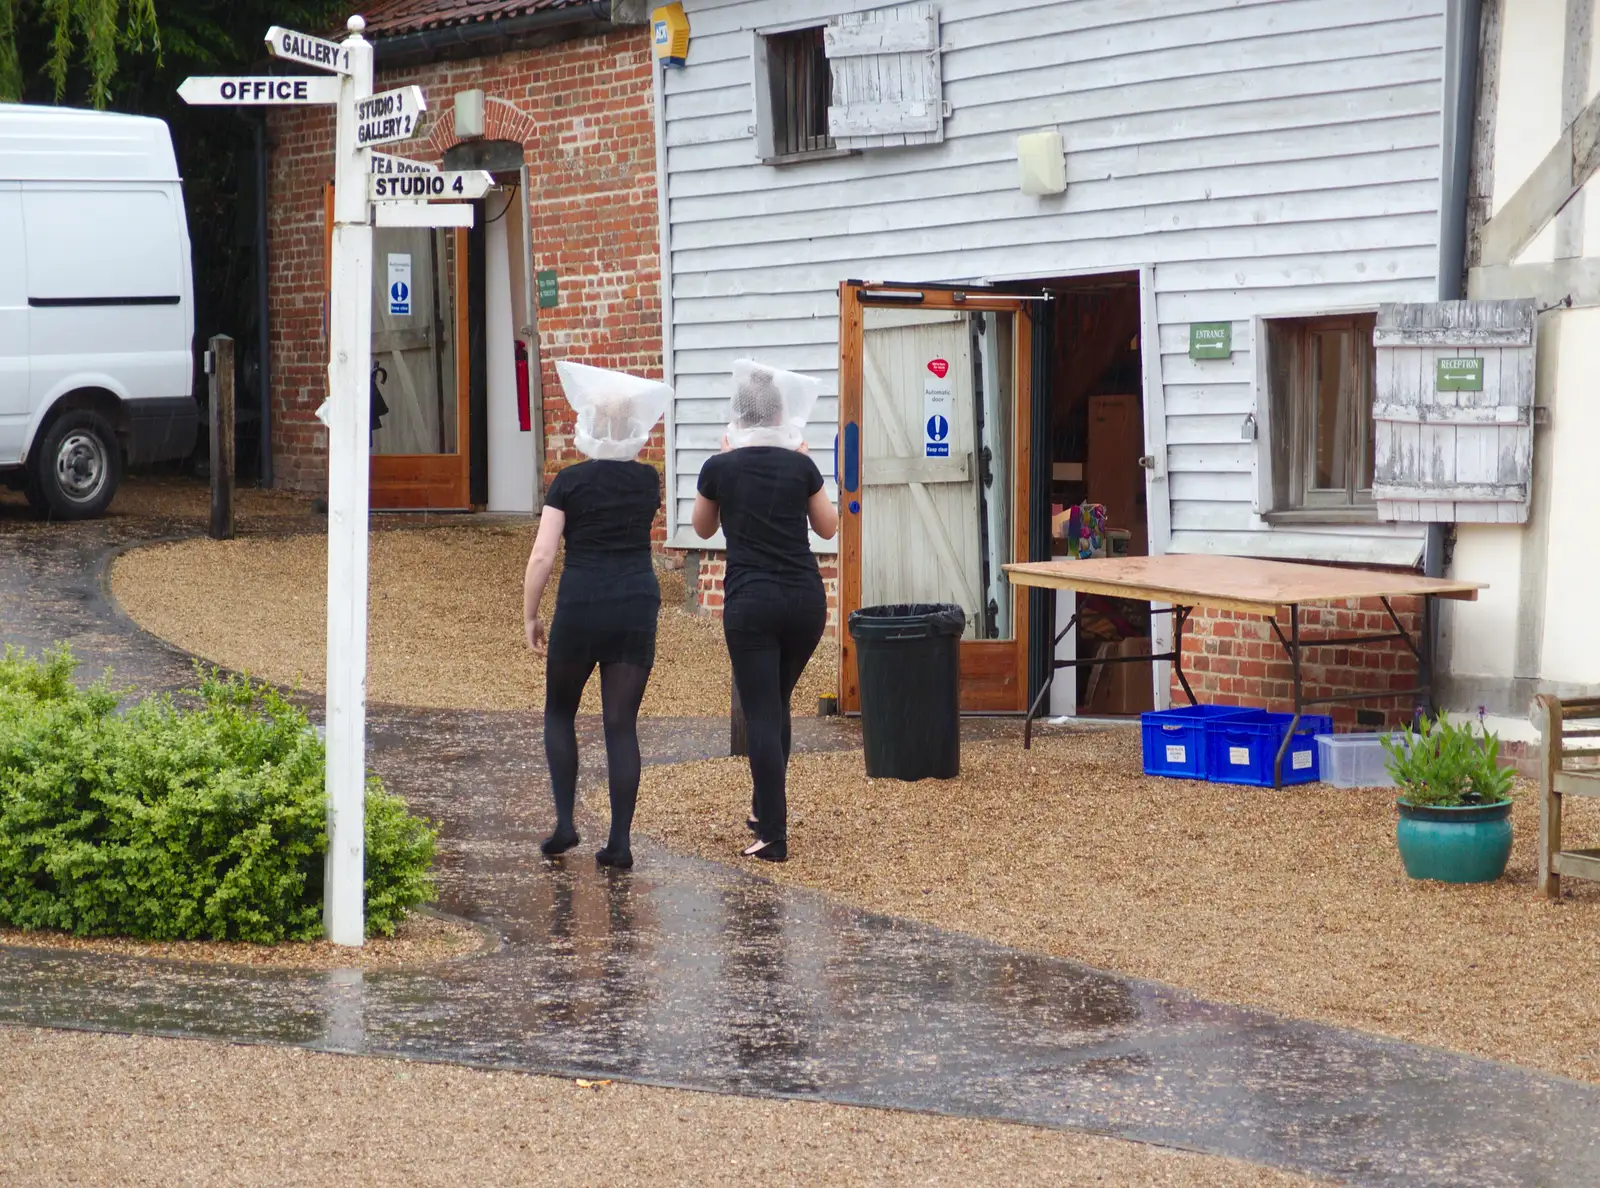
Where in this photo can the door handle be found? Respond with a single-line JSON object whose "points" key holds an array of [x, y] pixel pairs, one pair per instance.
{"points": [[851, 474]]}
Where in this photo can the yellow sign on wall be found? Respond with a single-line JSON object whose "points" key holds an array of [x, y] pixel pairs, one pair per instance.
{"points": [[669, 33]]}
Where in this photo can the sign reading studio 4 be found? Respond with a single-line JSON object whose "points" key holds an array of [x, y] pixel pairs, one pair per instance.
{"points": [[938, 402]]}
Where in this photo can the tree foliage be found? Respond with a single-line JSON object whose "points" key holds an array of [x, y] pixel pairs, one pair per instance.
{"points": [[131, 54], [89, 35]]}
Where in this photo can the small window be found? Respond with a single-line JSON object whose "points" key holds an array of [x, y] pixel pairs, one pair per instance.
{"points": [[793, 90], [1321, 378]]}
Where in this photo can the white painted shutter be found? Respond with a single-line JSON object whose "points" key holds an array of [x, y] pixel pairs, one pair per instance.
{"points": [[1450, 456], [887, 86]]}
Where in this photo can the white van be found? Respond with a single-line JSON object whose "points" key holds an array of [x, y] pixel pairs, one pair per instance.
{"points": [[96, 305]]}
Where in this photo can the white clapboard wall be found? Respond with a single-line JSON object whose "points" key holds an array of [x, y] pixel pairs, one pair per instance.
{"points": [[1445, 455], [1266, 157]]}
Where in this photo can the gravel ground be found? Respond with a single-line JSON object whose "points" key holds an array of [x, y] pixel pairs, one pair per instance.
{"points": [[445, 625], [177, 501], [105, 1109], [420, 940], [1294, 901]]}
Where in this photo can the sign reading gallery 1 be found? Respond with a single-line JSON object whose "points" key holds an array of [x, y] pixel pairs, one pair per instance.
{"points": [[1211, 340], [1458, 375]]}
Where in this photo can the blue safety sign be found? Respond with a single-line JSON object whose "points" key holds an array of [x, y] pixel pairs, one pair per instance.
{"points": [[938, 403], [399, 284]]}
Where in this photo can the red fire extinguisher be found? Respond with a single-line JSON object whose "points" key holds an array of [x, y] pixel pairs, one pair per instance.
{"points": [[524, 412]]}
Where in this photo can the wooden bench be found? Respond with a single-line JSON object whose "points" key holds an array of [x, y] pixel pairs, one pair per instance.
{"points": [[1569, 766]]}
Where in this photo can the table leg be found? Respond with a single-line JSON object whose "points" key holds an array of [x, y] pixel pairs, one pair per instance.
{"points": [[1426, 659], [1292, 646], [1044, 691], [1033, 710], [1179, 615]]}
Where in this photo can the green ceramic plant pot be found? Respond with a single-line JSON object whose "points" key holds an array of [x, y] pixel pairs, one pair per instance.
{"points": [[1470, 844]]}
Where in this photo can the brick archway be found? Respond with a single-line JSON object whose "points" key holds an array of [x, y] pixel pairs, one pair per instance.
{"points": [[502, 120]]}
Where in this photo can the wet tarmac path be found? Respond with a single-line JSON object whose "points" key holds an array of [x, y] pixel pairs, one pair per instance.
{"points": [[698, 975]]}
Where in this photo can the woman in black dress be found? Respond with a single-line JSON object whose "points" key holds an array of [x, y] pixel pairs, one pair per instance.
{"points": [[608, 600], [764, 496]]}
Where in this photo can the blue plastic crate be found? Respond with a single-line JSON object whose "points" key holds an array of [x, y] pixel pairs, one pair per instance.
{"points": [[1243, 750], [1175, 739]]}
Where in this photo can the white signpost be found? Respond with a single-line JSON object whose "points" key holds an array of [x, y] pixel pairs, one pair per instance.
{"points": [[255, 92], [314, 51], [389, 163], [389, 116], [420, 214], [393, 192], [419, 187]]}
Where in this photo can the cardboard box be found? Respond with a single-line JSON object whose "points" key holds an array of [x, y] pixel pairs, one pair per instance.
{"points": [[1121, 689]]}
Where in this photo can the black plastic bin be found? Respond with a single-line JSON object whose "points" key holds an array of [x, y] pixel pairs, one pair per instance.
{"points": [[908, 663]]}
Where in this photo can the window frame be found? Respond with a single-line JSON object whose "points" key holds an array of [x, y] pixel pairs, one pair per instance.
{"points": [[765, 126], [1282, 453]]}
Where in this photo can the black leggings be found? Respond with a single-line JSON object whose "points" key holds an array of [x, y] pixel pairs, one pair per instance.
{"points": [[621, 691], [771, 633]]}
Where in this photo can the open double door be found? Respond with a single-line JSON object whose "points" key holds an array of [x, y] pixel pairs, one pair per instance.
{"points": [[934, 464]]}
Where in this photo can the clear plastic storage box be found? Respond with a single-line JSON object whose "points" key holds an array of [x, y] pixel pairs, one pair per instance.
{"points": [[1355, 760]]}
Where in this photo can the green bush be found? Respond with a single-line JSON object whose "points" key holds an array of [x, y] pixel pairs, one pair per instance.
{"points": [[1447, 766], [173, 823]]}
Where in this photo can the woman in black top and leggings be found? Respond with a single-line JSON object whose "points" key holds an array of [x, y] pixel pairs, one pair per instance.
{"points": [[608, 601], [775, 610]]}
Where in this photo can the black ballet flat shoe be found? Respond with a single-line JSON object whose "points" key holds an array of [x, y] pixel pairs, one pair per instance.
{"points": [[617, 859], [558, 843], [777, 851]]}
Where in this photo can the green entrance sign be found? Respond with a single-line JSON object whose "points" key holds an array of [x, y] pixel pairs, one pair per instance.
{"points": [[549, 296], [1211, 340], [1458, 375]]}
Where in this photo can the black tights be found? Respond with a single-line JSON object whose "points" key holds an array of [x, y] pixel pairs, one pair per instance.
{"points": [[621, 691], [771, 634]]}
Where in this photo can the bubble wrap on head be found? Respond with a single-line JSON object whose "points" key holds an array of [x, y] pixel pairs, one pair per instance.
{"points": [[770, 407], [615, 410]]}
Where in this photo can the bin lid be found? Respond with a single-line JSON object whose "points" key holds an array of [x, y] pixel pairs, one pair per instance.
{"points": [[908, 620]]}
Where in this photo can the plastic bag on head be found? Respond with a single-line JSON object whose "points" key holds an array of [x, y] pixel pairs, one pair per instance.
{"points": [[615, 410], [770, 407]]}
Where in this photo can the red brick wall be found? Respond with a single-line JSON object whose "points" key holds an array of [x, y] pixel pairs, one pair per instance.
{"points": [[583, 111], [1233, 658], [713, 568]]}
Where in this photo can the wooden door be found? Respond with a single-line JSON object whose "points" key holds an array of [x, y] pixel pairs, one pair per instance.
{"points": [[1112, 474], [421, 371], [932, 467]]}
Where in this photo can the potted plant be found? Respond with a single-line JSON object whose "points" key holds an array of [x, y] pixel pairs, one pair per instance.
{"points": [[1455, 802]]}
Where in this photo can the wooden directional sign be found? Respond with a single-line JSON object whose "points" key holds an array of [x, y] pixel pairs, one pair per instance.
{"points": [[389, 163], [389, 116], [256, 92], [431, 187], [422, 214], [312, 51]]}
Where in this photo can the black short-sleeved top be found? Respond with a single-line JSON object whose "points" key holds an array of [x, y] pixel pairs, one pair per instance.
{"points": [[762, 493], [610, 507]]}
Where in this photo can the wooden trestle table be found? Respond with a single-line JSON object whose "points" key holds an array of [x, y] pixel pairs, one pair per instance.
{"points": [[1185, 581]]}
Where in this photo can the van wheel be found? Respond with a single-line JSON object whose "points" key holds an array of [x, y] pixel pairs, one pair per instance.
{"points": [[76, 469]]}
